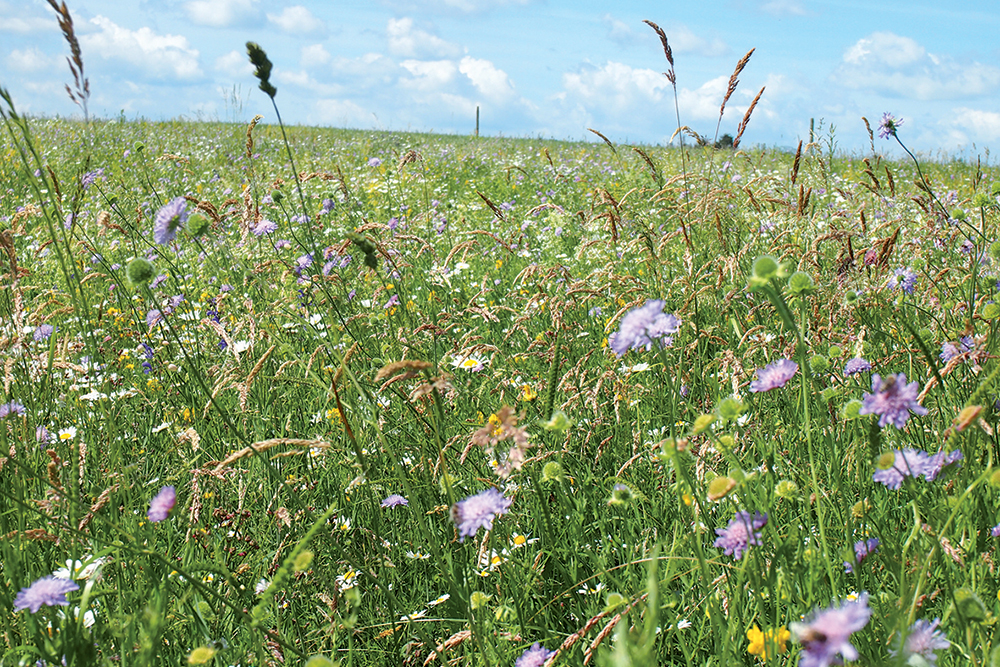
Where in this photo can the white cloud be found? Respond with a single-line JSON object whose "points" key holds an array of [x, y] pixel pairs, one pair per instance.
{"points": [[297, 20], [619, 31], [615, 88], [29, 60], [492, 83], [314, 55], [976, 124], [150, 54], [222, 13], [408, 41], [896, 66], [428, 75], [683, 40], [452, 6], [234, 65], [26, 25]]}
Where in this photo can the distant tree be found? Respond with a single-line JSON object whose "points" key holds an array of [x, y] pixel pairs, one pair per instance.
{"points": [[725, 141]]}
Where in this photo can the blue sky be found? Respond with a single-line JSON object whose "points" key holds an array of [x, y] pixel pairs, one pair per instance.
{"points": [[545, 68]]}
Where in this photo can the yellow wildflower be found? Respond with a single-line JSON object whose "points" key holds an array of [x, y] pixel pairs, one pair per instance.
{"points": [[762, 644]]}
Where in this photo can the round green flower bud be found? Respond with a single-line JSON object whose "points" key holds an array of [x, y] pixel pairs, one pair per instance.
{"points": [[139, 271], [835, 352], [851, 297], [958, 214], [981, 199], [552, 472], [731, 408], [277, 196], [800, 283], [786, 489], [197, 225], [765, 267], [818, 363], [852, 410], [139, 146]]}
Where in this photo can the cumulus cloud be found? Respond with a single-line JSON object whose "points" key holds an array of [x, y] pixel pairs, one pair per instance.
{"points": [[297, 20], [146, 52], [29, 60], [314, 55], [223, 13], [897, 66], [491, 82], [234, 65], [452, 6], [26, 24], [976, 124], [342, 113], [614, 88], [428, 75], [619, 32], [682, 39], [408, 41]]}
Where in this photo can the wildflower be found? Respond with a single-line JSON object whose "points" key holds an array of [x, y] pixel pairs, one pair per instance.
{"points": [[264, 227], [742, 532], [774, 376], [893, 400], [478, 511], [937, 462], [950, 350], [92, 177], [169, 219], [48, 591], [161, 504], [67, 433], [862, 549], [395, 500], [374, 162], [888, 126], [855, 366], [923, 639], [906, 463], [763, 644], [995, 531], [643, 326], [534, 656], [830, 631], [42, 332], [470, 363], [903, 279], [153, 318], [12, 408]]}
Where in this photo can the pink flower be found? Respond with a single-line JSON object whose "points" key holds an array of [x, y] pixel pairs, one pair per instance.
{"points": [[160, 506]]}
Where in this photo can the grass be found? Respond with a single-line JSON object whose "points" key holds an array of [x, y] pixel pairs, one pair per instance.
{"points": [[431, 318]]}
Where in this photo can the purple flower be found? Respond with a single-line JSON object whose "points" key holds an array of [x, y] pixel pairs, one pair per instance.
{"points": [[995, 531], [950, 350], [892, 399], [12, 408], [42, 332], [887, 128], [395, 500], [904, 279], [742, 532], [862, 549], [161, 504], [374, 162], [534, 656], [829, 633], [48, 591], [907, 463], [153, 318], [393, 300], [265, 226], [169, 219], [774, 376], [328, 205], [91, 177], [478, 511], [937, 462], [643, 326], [856, 365], [923, 639]]}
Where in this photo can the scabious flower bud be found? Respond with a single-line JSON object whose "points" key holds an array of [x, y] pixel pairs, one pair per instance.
{"points": [[139, 271]]}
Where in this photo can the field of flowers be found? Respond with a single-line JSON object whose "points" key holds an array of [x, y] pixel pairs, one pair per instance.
{"points": [[358, 398]]}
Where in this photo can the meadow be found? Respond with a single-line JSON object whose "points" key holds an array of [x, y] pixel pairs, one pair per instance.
{"points": [[314, 396]]}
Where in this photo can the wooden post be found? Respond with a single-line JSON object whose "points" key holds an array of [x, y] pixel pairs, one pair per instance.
{"points": [[811, 126], [477, 120]]}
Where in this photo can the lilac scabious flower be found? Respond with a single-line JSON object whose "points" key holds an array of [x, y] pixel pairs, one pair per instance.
{"points": [[169, 219], [903, 279], [774, 376], [153, 318], [995, 530], [92, 177], [478, 511], [534, 656], [644, 326], [888, 126], [907, 463], [950, 350], [265, 226], [938, 462], [393, 300], [328, 205], [892, 399], [862, 549], [829, 632], [855, 366], [923, 640], [48, 591], [741, 533], [161, 504], [374, 162], [395, 500], [42, 332], [12, 408]]}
